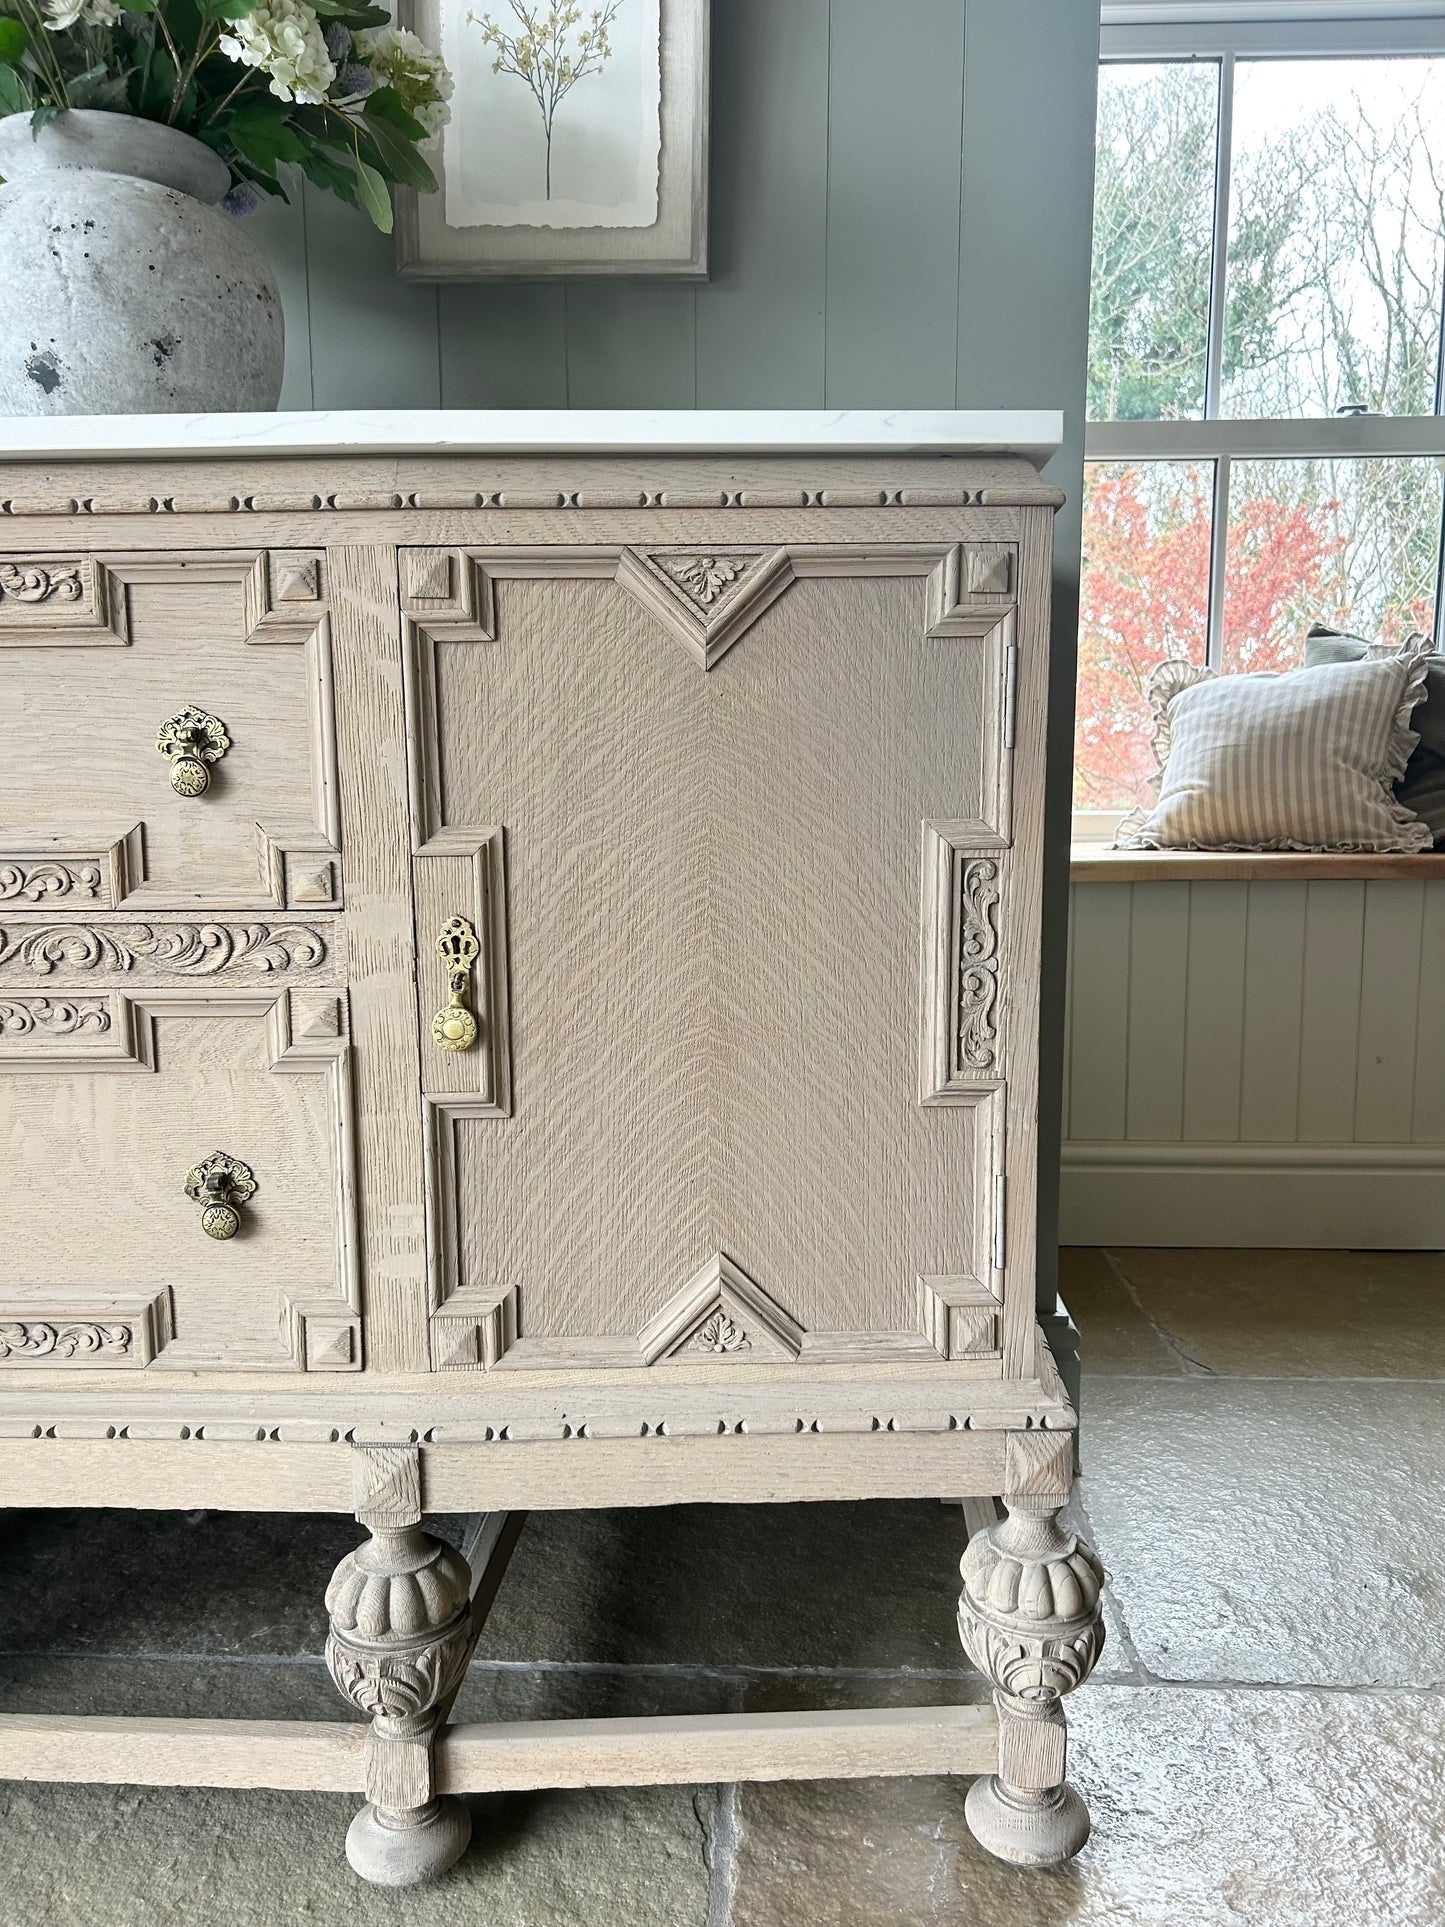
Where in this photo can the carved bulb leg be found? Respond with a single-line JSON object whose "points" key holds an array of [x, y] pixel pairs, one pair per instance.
{"points": [[1030, 1619], [401, 1637]]}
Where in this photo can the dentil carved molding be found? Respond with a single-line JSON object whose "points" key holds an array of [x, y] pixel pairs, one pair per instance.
{"points": [[197, 949]]}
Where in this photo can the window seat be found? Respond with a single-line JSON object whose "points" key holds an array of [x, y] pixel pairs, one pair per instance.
{"points": [[1097, 863]]}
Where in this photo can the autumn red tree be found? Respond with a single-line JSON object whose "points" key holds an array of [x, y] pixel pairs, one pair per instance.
{"points": [[1144, 597]]}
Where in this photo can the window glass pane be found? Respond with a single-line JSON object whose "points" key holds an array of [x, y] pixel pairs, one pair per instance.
{"points": [[1144, 598], [1153, 221], [1336, 236], [1352, 544]]}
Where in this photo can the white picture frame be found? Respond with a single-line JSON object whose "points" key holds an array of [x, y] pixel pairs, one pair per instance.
{"points": [[638, 126]]}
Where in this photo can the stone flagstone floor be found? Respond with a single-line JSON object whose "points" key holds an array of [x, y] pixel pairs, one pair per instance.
{"points": [[1264, 1453]]}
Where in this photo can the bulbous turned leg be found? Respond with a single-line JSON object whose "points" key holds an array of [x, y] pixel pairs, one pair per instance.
{"points": [[1030, 1618], [401, 1637]]}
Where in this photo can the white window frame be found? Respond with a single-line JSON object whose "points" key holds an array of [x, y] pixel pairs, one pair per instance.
{"points": [[1221, 33]]}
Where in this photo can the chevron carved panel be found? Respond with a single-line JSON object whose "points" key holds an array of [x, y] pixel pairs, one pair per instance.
{"points": [[707, 598]]}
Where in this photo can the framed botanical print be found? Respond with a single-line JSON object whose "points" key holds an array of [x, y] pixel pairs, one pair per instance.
{"points": [[577, 142]]}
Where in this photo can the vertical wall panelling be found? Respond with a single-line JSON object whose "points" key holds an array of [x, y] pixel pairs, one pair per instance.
{"points": [[760, 314], [1330, 1020], [1273, 994], [1429, 1110], [1313, 1067], [279, 229], [1098, 1079], [631, 344], [1214, 1016], [895, 137], [1158, 939], [374, 337], [503, 344], [1389, 995]]}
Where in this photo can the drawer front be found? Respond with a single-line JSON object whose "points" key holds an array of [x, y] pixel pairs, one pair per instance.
{"points": [[112, 1103], [224, 658], [705, 809]]}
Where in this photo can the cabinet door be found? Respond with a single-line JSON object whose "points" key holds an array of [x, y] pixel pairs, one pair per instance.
{"points": [[224, 659], [731, 824], [116, 1108]]}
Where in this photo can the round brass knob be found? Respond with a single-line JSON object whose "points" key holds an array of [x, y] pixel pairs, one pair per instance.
{"points": [[189, 776], [219, 1184], [220, 1221], [454, 1028]]}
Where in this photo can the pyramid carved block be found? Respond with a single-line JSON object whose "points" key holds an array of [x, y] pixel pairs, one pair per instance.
{"points": [[707, 598], [720, 1313]]}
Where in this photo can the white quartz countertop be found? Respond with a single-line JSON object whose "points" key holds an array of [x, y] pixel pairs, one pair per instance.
{"points": [[1035, 433]]}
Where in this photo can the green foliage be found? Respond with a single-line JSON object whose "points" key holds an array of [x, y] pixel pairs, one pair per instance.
{"points": [[178, 62]]}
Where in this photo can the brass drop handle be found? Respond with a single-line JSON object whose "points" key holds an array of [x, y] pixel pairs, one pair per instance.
{"points": [[454, 1027], [219, 1184], [191, 741]]}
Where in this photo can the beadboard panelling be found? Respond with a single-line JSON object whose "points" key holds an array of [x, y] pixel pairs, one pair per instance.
{"points": [[1256, 1063]]}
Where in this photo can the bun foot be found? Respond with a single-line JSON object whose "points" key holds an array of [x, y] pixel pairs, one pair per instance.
{"points": [[402, 1849], [1029, 1829]]}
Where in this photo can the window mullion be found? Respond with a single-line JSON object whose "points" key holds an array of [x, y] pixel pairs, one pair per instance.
{"points": [[1219, 255], [1218, 556]]}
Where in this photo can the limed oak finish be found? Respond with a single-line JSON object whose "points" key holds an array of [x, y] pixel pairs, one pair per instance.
{"points": [[519, 987]]}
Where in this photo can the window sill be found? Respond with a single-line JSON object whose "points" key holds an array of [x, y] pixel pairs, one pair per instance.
{"points": [[1089, 863]]}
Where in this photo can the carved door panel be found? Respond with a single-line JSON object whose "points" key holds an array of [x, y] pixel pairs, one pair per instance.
{"points": [[178, 1184], [166, 738], [706, 809]]}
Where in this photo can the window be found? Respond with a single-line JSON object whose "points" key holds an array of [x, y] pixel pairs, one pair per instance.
{"points": [[1266, 437]]}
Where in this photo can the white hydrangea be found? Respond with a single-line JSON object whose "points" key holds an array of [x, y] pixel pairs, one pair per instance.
{"points": [[399, 59], [284, 39], [60, 14]]}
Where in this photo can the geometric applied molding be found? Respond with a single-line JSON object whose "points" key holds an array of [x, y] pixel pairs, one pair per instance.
{"points": [[960, 1317], [720, 1313], [707, 598]]}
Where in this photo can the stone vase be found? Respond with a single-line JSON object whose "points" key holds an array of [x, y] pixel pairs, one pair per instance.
{"points": [[123, 291]]}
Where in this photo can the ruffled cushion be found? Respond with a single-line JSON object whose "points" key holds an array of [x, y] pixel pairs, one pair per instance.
{"points": [[1300, 761]]}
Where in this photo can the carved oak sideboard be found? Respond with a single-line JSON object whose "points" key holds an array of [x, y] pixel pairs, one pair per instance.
{"points": [[519, 988]]}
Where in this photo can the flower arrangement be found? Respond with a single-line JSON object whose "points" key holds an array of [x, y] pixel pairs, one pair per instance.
{"points": [[329, 86]]}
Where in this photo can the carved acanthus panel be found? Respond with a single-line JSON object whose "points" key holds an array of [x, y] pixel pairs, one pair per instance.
{"points": [[65, 602], [266, 1077], [74, 1329], [68, 873], [963, 908], [167, 951]]}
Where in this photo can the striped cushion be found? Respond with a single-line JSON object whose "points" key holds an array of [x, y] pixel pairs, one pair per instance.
{"points": [[1302, 761]]}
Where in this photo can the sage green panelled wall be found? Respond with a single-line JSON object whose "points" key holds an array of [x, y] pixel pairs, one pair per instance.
{"points": [[901, 204]]}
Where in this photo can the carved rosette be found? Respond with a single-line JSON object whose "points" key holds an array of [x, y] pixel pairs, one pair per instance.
{"points": [[1030, 1614], [400, 1636]]}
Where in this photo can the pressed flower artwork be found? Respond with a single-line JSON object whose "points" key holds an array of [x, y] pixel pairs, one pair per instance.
{"points": [[563, 128]]}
